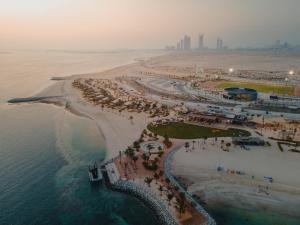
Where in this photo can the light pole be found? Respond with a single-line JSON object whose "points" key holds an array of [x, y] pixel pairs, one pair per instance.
{"points": [[286, 80]]}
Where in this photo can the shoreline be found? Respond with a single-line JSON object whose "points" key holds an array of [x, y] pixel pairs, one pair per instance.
{"points": [[118, 131], [132, 189]]}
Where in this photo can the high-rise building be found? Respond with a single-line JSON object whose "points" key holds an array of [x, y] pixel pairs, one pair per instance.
{"points": [[187, 43], [181, 44], [219, 43], [201, 41]]}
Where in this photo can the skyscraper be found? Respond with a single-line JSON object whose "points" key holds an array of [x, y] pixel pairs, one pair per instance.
{"points": [[219, 43], [201, 41], [187, 43], [181, 44]]}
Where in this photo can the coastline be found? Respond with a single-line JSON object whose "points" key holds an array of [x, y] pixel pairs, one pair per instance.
{"points": [[118, 130]]}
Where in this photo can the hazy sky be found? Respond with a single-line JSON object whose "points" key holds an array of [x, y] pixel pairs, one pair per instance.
{"points": [[107, 24]]}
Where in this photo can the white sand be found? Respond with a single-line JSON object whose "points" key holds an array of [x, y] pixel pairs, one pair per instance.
{"points": [[198, 166]]}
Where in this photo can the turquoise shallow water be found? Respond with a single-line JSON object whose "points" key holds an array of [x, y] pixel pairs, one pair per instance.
{"points": [[43, 166]]}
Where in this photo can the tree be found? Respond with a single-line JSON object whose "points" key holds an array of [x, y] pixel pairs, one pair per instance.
{"points": [[148, 181], [166, 141], [294, 133], [186, 145], [194, 144], [156, 177], [205, 138], [161, 189], [135, 158], [161, 173], [227, 146], [222, 143], [136, 144], [131, 118], [130, 152], [182, 195], [170, 196], [168, 181], [180, 206]]}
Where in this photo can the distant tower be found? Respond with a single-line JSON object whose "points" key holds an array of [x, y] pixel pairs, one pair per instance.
{"points": [[219, 43], [187, 43], [201, 41], [277, 43], [181, 44], [178, 45]]}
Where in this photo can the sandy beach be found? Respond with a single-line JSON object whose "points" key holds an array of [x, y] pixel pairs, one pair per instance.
{"points": [[198, 167]]}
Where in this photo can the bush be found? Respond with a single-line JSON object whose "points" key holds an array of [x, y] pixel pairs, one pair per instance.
{"points": [[150, 166]]}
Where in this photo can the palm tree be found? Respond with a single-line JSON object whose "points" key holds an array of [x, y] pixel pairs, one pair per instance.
{"points": [[167, 141], [205, 138], [227, 146], [186, 145], [294, 133], [156, 177], [130, 152], [148, 180], [180, 206], [161, 189], [170, 196], [222, 142], [135, 158], [161, 173], [167, 181]]}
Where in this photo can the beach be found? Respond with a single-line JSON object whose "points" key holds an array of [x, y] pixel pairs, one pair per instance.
{"points": [[197, 168], [46, 150]]}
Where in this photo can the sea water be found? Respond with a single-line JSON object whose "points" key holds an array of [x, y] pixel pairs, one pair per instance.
{"points": [[45, 151]]}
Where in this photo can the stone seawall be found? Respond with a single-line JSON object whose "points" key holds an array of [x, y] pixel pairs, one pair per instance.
{"points": [[162, 213], [168, 174]]}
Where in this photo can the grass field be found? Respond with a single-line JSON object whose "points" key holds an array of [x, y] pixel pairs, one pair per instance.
{"points": [[190, 131], [263, 88]]}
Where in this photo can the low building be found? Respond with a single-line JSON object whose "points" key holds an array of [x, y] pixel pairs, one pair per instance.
{"points": [[254, 141], [240, 94], [239, 119]]}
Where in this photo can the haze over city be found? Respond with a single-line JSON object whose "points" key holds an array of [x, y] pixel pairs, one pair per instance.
{"points": [[145, 24], [149, 112]]}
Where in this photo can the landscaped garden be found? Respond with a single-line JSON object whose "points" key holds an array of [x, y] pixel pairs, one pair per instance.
{"points": [[191, 131]]}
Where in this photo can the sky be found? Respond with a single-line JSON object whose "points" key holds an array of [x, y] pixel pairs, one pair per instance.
{"points": [[145, 24]]}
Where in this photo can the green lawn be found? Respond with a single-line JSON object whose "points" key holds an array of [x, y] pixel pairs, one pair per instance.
{"points": [[190, 131], [263, 88]]}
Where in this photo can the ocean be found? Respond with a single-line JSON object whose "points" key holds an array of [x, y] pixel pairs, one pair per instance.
{"points": [[45, 151]]}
